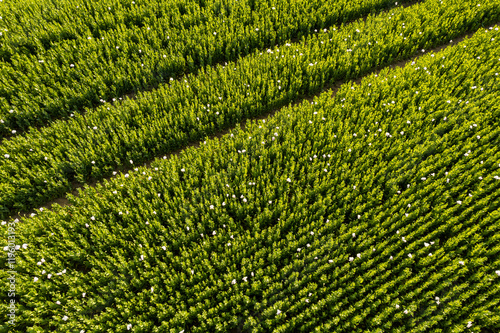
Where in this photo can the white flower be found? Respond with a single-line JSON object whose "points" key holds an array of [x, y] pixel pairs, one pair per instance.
{"points": [[25, 246], [245, 278], [461, 263], [351, 258], [397, 306], [288, 180], [353, 235], [459, 202], [93, 218], [228, 244], [234, 281], [359, 255], [49, 276], [498, 273], [406, 311], [211, 206], [298, 249], [36, 279], [65, 318], [129, 327], [278, 312], [330, 261], [409, 255], [6, 155], [214, 232], [58, 303], [83, 294]]}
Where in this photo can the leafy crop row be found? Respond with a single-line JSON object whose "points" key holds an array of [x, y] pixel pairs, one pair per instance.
{"points": [[62, 56], [376, 209], [40, 165]]}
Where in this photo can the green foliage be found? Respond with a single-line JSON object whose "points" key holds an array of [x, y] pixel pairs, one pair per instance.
{"points": [[344, 222], [60, 57], [88, 147]]}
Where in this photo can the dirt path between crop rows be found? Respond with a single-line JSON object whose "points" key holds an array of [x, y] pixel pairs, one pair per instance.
{"points": [[300, 99]]}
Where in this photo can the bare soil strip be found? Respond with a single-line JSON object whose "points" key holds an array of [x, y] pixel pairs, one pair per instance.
{"points": [[333, 87]]}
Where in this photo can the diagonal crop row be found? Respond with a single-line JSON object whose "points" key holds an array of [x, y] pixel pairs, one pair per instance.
{"points": [[41, 165], [91, 52], [376, 209]]}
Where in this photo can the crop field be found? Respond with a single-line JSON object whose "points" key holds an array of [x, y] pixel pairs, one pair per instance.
{"points": [[250, 166]]}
